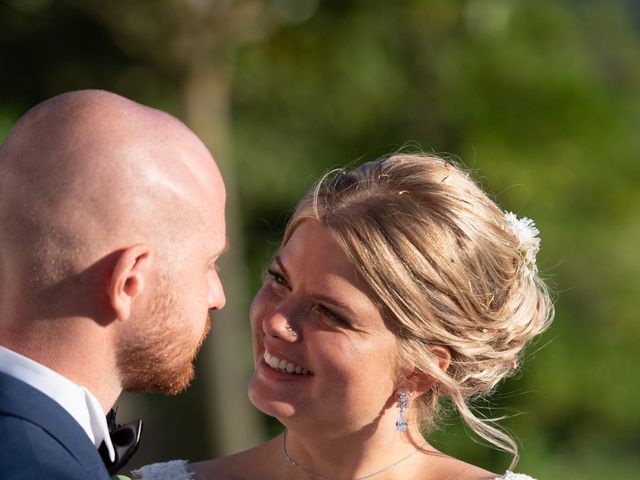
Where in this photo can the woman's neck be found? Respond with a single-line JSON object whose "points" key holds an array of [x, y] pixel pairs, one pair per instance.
{"points": [[358, 454]]}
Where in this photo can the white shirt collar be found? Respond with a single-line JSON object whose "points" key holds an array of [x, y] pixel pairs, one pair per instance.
{"points": [[75, 399]]}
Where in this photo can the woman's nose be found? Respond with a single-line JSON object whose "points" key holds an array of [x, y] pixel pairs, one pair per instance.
{"points": [[279, 323]]}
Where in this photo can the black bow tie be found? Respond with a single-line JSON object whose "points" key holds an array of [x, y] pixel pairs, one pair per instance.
{"points": [[125, 439]]}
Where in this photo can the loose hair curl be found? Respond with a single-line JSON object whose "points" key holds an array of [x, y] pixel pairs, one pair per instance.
{"points": [[445, 270]]}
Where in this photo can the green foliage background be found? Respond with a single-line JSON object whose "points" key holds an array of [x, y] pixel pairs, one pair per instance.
{"points": [[540, 98]]}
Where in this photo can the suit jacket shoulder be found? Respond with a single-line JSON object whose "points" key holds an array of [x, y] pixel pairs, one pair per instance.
{"points": [[39, 439]]}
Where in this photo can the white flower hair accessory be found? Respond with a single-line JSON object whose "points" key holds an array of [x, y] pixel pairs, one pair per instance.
{"points": [[527, 233]]}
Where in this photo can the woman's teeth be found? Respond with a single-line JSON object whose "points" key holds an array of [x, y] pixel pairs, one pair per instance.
{"points": [[284, 366]]}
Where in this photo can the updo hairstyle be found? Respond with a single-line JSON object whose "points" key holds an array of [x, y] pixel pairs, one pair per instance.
{"points": [[446, 270]]}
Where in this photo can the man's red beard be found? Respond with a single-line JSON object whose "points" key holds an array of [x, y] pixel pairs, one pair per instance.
{"points": [[157, 355]]}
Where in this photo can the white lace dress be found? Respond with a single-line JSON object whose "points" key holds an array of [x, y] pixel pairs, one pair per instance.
{"points": [[177, 470]]}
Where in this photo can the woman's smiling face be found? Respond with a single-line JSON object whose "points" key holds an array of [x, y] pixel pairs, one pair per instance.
{"points": [[323, 354]]}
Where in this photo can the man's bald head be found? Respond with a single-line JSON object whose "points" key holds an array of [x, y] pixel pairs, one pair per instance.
{"points": [[111, 220], [88, 172], [86, 175]]}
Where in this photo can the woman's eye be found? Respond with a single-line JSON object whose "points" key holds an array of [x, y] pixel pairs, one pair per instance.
{"points": [[330, 314], [275, 276]]}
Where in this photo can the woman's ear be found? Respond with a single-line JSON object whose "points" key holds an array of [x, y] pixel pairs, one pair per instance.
{"points": [[420, 382], [128, 279], [443, 354]]}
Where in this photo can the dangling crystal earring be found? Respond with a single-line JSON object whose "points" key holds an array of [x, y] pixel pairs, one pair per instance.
{"points": [[403, 404]]}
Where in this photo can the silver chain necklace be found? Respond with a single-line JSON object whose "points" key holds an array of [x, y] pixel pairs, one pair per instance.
{"points": [[317, 476]]}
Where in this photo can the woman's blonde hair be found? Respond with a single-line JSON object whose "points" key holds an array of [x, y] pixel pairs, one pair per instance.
{"points": [[446, 270]]}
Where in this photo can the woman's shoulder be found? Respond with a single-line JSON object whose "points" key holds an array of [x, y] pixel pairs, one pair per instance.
{"points": [[514, 476], [249, 464], [173, 470], [226, 468], [256, 462], [441, 466]]}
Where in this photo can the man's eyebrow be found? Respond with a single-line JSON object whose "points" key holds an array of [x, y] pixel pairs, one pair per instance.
{"points": [[215, 256]]}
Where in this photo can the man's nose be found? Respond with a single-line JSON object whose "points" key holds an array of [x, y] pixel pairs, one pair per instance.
{"points": [[216, 298]]}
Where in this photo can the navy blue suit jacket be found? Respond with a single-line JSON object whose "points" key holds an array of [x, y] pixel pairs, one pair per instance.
{"points": [[40, 440]]}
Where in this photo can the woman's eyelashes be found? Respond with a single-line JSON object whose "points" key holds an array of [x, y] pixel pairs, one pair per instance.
{"points": [[276, 277], [278, 280], [331, 315]]}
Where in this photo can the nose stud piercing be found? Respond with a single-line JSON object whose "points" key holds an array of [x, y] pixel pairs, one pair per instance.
{"points": [[291, 330]]}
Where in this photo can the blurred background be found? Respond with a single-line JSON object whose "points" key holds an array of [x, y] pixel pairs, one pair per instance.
{"points": [[540, 98]]}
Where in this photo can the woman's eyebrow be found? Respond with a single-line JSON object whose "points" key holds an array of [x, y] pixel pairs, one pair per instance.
{"points": [[334, 302], [278, 261]]}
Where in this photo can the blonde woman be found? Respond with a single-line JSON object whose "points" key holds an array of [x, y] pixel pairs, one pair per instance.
{"points": [[397, 284]]}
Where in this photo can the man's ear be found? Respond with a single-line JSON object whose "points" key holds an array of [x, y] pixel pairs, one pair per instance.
{"points": [[128, 279]]}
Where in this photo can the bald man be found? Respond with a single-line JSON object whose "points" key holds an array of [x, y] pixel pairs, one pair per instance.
{"points": [[111, 222]]}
